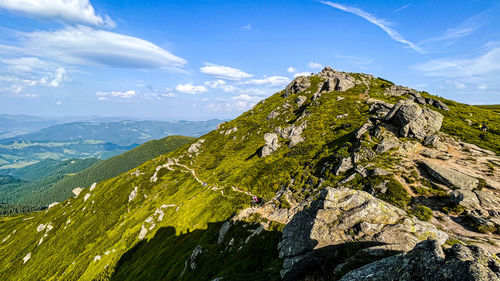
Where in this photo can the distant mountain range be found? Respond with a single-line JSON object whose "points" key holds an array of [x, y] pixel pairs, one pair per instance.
{"points": [[96, 139]]}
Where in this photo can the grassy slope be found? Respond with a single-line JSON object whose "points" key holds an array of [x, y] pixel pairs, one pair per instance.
{"points": [[60, 190], [108, 221]]}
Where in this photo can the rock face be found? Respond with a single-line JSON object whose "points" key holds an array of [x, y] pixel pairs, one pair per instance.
{"points": [[272, 144], [414, 121], [450, 177], [427, 261], [344, 215], [298, 84], [335, 80]]}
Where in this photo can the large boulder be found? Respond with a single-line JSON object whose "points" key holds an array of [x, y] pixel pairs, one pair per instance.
{"points": [[298, 85], [414, 121], [272, 144], [338, 81], [427, 261], [343, 215]]}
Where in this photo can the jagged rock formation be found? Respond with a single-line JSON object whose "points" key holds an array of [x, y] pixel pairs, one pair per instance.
{"points": [[415, 96], [344, 215], [427, 261], [335, 80]]}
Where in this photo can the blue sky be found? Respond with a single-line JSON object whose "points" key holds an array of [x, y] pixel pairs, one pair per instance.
{"points": [[215, 59]]}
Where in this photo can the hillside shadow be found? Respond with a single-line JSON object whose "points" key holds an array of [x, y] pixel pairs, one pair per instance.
{"points": [[171, 256]]}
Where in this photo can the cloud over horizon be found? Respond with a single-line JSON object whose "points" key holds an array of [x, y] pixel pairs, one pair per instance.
{"points": [[67, 11]]}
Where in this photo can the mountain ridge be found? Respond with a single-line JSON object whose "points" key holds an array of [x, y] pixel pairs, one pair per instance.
{"points": [[187, 215]]}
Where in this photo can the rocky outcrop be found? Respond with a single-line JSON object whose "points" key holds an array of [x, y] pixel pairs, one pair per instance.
{"points": [[415, 96], [300, 100], [272, 144], [427, 261], [298, 85], [335, 80], [414, 121], [292, 133], [343, 215], [195, 147]]}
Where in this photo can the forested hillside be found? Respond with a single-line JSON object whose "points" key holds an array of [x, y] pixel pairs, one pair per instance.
{"points": [[52, 181]]}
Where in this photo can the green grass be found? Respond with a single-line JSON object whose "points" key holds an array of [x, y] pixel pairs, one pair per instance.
{"points": [[422, 212], [109, 223]]}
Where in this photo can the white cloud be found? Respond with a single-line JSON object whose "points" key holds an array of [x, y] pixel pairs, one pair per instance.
{"points": [[482, 87], [59, 102], [315, 65], [291, 69], [247, 27], [59, 76], [84, 45], [31, 71], [381, 23], [465, 29], [124, 95], [302, 74], [245, 97], [454, 68], [190, 88], [68, 11], [224, 72], [271, 81], [402, 8], [221, 84]]}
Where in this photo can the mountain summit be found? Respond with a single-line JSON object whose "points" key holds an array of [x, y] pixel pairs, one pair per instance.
{"points": [[340, 176]]}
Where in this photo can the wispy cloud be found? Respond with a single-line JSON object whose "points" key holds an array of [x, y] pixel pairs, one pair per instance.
{"points": [[381, 23], [224, 72], [247, 27], [465, 29], [271, 81], [355, 59], [460, 68], [402, 7], [87, 46], [117, 94], [67, 11], [291, 69]]}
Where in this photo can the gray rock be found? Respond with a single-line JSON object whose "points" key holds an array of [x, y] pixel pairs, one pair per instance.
{"points": [[389, 141], [223, 231], [413, 121], [292, 133], [427, 261], [379, 108], [380, 172], [272, 115], [343, 165], [300, 100], [368, 125], [466, 198], [272, 144], [298, 85], [344, 215], [330, 85], [450, 177], [342, 80]]}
